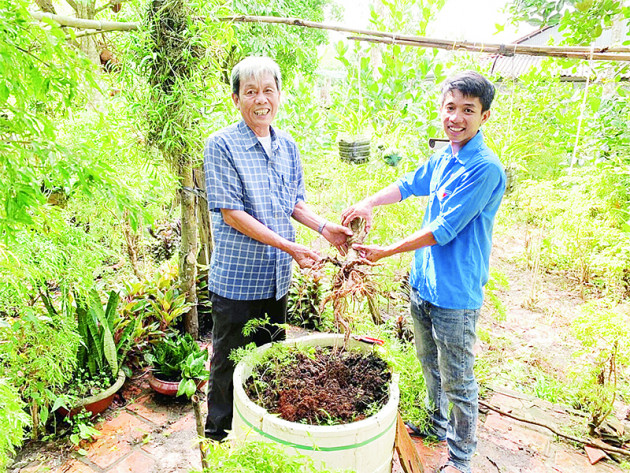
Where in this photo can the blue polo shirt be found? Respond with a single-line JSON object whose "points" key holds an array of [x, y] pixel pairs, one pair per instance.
{"points": [[465, 191], [241, 175]]}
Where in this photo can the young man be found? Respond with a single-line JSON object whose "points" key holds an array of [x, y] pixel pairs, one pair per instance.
{"points": [[465, 183], [255, 186]]}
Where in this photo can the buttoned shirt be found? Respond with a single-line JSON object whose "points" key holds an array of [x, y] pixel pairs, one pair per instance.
{"points": [[465, 191], [240, 175]]}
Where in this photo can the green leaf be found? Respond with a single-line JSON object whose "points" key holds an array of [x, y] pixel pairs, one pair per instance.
{"points": [[187, 387]]}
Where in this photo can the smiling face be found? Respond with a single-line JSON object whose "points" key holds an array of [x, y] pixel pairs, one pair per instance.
{"points": [[258, 99], [461, 117]]}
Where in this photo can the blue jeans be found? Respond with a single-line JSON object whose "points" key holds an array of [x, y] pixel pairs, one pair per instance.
{"points": [[444, 344]]}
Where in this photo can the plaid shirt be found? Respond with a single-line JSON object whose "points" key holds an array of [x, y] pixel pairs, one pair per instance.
{"points": [[240, 176]]}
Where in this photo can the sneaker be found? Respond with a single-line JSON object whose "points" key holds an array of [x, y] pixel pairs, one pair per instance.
{"points": [[427, 433]]}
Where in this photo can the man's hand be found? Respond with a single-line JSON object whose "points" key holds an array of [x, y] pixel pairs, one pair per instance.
{"points": [[361, 209], [372, 252], [337, 235], [304, 256]]}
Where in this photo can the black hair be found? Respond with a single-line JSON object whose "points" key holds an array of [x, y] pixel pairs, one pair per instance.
{"points": [[470, 84]]}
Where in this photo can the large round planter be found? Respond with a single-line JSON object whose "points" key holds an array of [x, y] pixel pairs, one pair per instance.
{"points": [[99, 402], [365, 446], [169, 388]]}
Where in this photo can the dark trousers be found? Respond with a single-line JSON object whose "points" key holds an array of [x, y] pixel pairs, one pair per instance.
{"points": [[229, 317]]}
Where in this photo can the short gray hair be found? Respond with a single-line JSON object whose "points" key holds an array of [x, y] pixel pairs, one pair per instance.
{"points": [[255, 66]]}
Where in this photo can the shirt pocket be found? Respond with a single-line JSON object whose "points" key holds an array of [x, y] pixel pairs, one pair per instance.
{"points": [[287, 193]]}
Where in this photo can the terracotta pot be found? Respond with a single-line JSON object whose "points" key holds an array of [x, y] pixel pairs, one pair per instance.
{"points": [[169, 388], [99, 402]]}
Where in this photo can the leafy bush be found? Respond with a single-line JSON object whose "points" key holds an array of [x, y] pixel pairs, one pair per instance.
{"points": [[604, 332], [38, 356], [256, 457], [179, 359], [13, 421], [305, 297], [153, 306], [584, 216], [402, 356]]}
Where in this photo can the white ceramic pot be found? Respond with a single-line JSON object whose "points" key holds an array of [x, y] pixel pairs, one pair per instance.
{"points": [[365, 446]]}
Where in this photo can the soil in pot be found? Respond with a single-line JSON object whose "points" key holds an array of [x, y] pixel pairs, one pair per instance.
{"points": [[97, 399], [322, 387]]}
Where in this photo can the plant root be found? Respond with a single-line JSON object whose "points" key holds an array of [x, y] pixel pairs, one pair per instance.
{"points": [[352, 282]]}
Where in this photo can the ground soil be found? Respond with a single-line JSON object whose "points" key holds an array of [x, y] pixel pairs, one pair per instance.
{"points": [[334, 386]]}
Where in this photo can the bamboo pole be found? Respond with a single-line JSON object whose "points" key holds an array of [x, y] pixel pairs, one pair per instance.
{"points": [[606, 53], [74, 22], [493, 49]]}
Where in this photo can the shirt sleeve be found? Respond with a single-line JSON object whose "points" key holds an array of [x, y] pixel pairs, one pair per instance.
{"points": [[466, 202], [299, 173], [224, 187], [417, 182], [301, 189]]}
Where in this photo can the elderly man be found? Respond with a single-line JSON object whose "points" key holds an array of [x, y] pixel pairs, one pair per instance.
{"points": [[255, 184]]}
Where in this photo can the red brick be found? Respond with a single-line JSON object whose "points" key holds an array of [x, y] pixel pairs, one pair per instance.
{"points": [[107, 451], [185, 423], [569, 462], [137, 462], [432, 455], [126, 426], [35, 468], [506, 403], [74, 466], [497, 422], [151, 448], [538, 441], [158, 417]]}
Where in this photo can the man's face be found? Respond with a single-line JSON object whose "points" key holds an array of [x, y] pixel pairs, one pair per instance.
{"points": [[258, 101], [461, 117]]}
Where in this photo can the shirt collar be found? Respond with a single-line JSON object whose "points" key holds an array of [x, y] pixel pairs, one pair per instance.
{"points": [[469, 150], [250, 138]]}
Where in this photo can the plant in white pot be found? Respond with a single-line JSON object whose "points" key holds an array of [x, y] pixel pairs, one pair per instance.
{"points": [[364, 445]]}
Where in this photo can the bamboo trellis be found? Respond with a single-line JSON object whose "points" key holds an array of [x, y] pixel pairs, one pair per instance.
{"points": [[600, 53], [606, 53]]}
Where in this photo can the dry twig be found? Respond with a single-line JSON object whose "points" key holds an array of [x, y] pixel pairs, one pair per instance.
{"points": [[589, 442]]}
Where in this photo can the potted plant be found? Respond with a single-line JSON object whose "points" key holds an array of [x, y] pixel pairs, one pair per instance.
{"points": [[354, 141], [363, 442], [179, 366], [98, 375]]}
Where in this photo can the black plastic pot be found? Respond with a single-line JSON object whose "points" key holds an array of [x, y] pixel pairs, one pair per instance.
{"points": [[356, 152]]}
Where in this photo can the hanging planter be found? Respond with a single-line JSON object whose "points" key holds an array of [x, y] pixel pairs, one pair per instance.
{"points": [[355, 150], [364, 446]]}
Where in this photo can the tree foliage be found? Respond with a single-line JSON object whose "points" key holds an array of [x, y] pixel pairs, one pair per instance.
{"points": [[294, 49], [581, 20], [40, 76]]}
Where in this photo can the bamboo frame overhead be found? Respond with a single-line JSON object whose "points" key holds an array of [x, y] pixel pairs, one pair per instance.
{"points": [[607, 53]]}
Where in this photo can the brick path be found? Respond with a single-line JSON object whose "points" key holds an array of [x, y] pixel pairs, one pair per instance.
{"points": [[151, 433]]}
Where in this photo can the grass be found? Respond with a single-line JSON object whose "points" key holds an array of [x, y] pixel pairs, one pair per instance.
{"points": [[257, 457]]}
